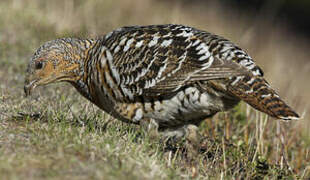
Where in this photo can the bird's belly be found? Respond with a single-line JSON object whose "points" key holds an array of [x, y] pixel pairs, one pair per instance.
{"points": [[186, 107]]}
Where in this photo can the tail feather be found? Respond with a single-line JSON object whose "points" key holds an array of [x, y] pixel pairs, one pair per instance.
{"points": [[256, 91]]}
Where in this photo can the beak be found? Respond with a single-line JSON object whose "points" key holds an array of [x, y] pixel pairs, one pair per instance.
{"points": [[29, 87], [31, 83]]}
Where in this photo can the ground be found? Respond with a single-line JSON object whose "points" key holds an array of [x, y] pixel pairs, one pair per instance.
{"points": [[57, 134]]}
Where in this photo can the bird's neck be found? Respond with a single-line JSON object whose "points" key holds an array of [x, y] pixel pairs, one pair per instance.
{"points": [[82, 55], [84, 50]]}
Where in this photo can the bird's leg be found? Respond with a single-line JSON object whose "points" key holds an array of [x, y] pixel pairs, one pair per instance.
{"points": [[193, 141], [192, 146], [150, 127], [188, 134]]}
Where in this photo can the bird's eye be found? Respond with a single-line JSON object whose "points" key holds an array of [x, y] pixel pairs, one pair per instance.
{"points": [[39, 65]]}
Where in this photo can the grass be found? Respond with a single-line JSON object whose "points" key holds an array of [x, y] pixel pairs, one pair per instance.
{"points": [[57, 134]]}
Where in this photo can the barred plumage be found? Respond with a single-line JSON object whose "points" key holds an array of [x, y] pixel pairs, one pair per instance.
{"points": [[173, 74]]}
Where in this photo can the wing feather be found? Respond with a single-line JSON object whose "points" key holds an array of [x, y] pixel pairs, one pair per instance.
{"points": [[157, 60]]}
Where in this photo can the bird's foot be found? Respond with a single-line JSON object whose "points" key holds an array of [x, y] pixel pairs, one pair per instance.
{"points": [[188, 137]]}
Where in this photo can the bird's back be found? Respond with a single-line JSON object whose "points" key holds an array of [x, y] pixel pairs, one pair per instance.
{"points": [[155, 60]]}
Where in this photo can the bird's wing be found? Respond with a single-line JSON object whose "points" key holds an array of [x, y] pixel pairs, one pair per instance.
{"points": [[157, 60]]}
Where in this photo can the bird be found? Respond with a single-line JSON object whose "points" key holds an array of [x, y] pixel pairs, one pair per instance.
{"points": [[166, 76]]}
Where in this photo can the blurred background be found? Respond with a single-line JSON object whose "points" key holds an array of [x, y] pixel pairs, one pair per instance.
{"points": [[275, 33]]}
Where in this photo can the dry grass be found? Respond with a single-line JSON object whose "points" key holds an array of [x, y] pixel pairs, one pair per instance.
{"points": [[66, 137]]}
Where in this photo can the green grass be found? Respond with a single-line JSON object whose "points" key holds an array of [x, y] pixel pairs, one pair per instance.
{"points": [[59, 145], [57, 134]]}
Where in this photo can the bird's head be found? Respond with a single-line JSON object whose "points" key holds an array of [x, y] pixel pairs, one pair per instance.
{"points": [[55, 61]]}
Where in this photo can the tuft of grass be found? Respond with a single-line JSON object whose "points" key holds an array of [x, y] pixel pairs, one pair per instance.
{"points": [[57, 134]]}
